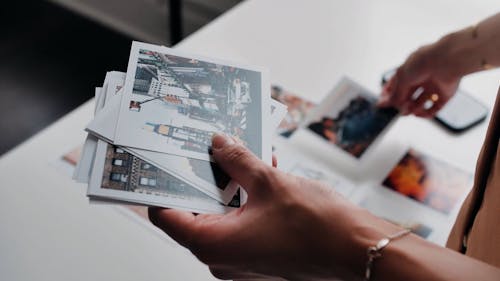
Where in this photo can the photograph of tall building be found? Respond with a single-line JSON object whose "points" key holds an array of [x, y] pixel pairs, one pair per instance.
{"points": [[200, 98], [123, 171]]}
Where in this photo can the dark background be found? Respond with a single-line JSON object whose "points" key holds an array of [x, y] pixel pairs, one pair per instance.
{"points": [[51, 59]]}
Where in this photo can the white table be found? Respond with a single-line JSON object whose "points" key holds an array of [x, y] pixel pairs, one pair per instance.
{"points": [[50, 232]]}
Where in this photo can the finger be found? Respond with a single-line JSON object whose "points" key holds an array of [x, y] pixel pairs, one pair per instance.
{"points": [[417, 104], [179, 225], [275, 161], [387, 92], [409, 79], [265, 278], [401, 89], [228, 273], [239, 163], [431, 112]]}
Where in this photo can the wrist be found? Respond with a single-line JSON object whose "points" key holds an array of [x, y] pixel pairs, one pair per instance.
{"points": [[456, 54], [366, 231]]}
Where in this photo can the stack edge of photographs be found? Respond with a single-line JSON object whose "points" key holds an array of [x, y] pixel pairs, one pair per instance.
{"points": [[149, 141]]}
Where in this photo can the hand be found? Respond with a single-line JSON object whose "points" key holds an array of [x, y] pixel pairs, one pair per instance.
{"points": [[290, 227], [425, 72]]}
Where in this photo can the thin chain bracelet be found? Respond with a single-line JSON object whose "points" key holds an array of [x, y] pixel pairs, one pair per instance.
{"points": [[475, 33], [375, 252]]}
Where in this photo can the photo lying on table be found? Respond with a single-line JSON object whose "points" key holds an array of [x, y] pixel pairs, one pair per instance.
{"points": [[298, 108], [294, 162], [429, 181], [127, 178], [390, 206], [173, 103], [350, 119], [417, 228]]}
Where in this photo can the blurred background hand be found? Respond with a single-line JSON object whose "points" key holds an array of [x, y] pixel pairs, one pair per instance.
{"points": [[423, 84]]}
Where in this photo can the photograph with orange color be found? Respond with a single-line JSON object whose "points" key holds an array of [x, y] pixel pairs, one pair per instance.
{"points": [[429, 181], [298, 108]]}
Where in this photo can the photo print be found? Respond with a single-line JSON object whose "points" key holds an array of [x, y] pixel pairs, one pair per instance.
{"points": [[126, 177], [417, 228], [174, 103], [350, 119], [429, 181], [298, 108]]}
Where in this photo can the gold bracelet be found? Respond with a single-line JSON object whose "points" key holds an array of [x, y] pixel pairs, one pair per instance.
{"points": [[484, 64], [375, 252]]}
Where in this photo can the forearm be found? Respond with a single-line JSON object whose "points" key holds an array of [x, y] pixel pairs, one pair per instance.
{"points": [[471, 49], [411, 258]]}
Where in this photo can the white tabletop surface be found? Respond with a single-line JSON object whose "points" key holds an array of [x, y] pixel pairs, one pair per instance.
{"points": [[50, 232]]}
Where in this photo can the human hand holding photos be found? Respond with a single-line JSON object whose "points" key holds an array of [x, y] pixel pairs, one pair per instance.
{"points": [[290, 228], [424, 78]]}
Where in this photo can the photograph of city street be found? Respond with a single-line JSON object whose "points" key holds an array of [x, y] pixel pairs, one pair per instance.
{"points": [[176, 103], [125, 172]]}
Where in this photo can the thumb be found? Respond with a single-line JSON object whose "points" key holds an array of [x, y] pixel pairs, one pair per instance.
{"points": [[240, 163], [387, 93]]}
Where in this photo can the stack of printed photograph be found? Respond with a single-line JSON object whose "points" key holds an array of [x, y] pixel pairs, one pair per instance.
{"points": [[149, 141]]}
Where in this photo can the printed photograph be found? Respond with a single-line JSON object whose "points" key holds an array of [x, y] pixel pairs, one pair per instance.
{"points": [[209, 172], [125, 172], [301, 167], [417, 228], [298, 108], [177, 103], [429, 181], [307, 172], [354, 122], [202, 174]]}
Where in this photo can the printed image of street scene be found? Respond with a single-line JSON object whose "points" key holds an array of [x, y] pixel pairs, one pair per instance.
{"points": [[125, 172], [197, 98]]}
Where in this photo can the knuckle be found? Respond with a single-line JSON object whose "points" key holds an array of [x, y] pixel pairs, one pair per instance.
{"points": [[205, 255], [290, 192], [236, 154], [219, 273], [262, 176], [153, 215]]}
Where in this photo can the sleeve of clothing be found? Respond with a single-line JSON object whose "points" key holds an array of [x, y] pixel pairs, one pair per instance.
{"points": [[476, 232]]}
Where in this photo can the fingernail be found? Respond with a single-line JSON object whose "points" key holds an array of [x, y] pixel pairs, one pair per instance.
{"points": [[220, 140]]}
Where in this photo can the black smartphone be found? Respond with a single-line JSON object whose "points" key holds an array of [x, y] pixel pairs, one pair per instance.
{"points": [[462, 111]]}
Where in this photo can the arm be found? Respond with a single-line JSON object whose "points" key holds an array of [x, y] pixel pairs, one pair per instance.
{"points": [[472, 49], [413, 259], [298, 229], [437, 68]]}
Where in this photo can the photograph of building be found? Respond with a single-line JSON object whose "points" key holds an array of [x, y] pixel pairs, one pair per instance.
{"points": [[191, 138], [207, 97], [123, 171]]}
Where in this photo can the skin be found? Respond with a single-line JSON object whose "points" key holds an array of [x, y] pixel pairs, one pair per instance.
{"points": [[438, 68], [296, 229]]}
